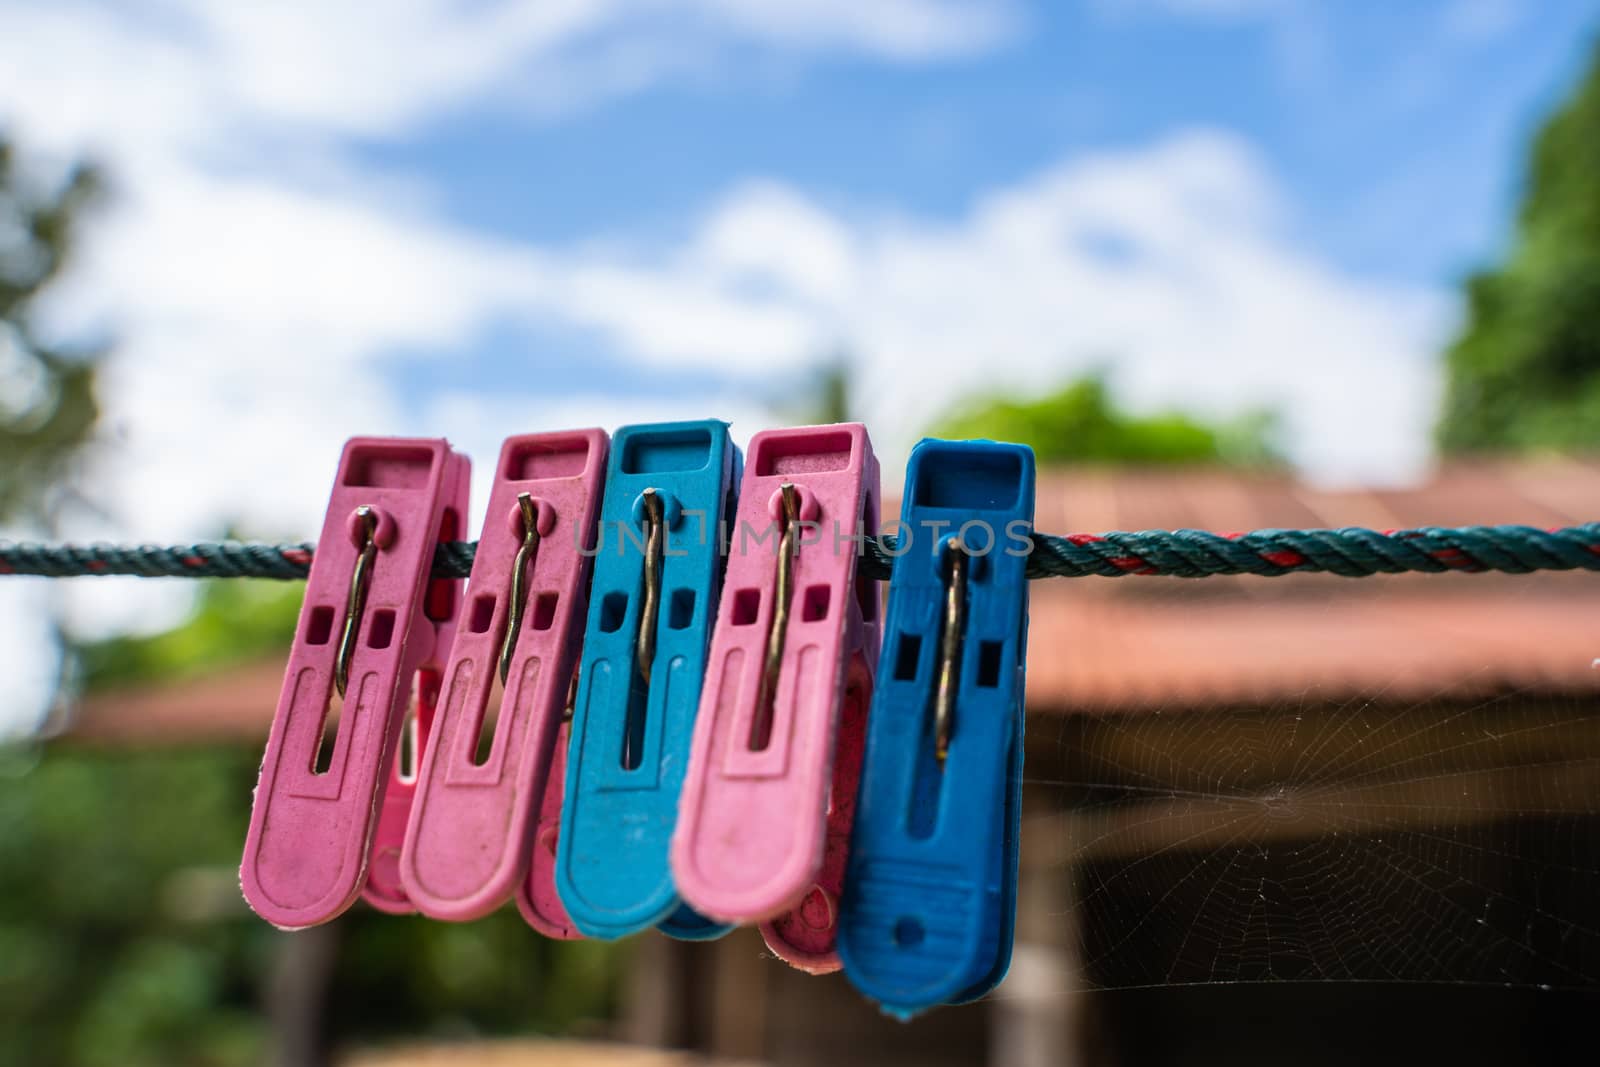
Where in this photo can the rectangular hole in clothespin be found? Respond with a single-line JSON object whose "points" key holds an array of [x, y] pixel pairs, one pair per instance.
{"points": [[543, 614], [816, 452], [482, 615], [666, 452], [319, 625], [814, 607], [746, 607], [387, 466], [989, 656], [908, 652], [381, 632], [613, 609], [680, 609]]}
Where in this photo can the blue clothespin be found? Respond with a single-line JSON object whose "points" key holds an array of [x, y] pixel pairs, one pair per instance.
{"points": [[657, 576], [929, 904]]}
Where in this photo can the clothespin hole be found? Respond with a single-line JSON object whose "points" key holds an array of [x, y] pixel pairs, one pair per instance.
{"points": [[680, 609], [543, 615], [613, 610], [909, 932], [989, 656], [814, 605]]}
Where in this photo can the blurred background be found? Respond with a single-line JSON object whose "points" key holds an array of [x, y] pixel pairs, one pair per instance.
{"points": [[1225, 264]]}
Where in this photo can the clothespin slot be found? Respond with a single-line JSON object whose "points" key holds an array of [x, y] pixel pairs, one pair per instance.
{"points": [[366, 521], [930, 899], [324, 808], [483, 782], [657, 578], [764, 819], [654, 553], [528, 512], [952, 628], [778, 628]]}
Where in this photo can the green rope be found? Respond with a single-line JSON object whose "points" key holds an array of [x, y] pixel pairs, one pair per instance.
{"points": [[1352, 552]]}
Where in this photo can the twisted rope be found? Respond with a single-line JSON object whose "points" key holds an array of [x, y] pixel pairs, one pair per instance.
{"points": [[1352, 552]]}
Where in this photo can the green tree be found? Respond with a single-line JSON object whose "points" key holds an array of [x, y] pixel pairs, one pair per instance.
{"points": [[1525, 371], [123, 937], [47, 400], [124, 941], [234, 622], [1080, 423]]}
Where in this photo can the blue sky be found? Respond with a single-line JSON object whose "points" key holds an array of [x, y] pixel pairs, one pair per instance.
{"points": [[476, 218], [1371, 114], [1394, 131]]}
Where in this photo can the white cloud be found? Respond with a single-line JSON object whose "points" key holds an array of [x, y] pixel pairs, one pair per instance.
{"points": [[208, 75], [260, 286], [257, 320], [1170, 264], [256, 284]]}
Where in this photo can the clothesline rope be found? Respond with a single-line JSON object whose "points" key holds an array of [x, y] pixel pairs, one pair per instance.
{"points": [[1351, 552]]}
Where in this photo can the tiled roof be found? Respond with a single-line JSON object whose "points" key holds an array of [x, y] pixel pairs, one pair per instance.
{"points": [[1144, 643]]}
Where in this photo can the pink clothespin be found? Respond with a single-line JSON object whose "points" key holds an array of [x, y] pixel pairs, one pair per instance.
{"points": [[765, 814], [370, 623], [472, 831]]}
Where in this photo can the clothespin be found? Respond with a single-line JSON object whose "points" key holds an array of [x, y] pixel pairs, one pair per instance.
{"points": [[481, 785], [372, 620], [764, 819], [657, 576], [930, 901]]}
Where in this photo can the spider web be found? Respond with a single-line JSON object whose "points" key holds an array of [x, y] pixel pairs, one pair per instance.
{"points": [[1364, 837]]}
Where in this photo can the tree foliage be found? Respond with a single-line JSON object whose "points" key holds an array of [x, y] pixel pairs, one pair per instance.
{"points": [[1080, 423], [235, 621], [123, 937], [124, 941], [47, 401], [1525, 371]]}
